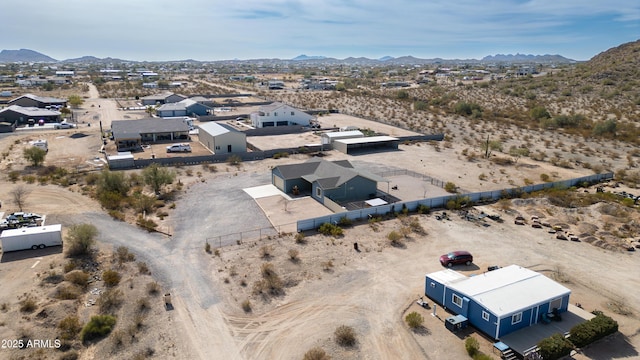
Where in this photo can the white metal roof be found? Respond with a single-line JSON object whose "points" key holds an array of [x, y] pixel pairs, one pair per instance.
{"points": [[364, 140], [510, 289], [31, 230], [343, 134], [447, 276]]}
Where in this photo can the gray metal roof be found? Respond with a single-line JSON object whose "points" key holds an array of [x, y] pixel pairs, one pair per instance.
{"points": [[30, 111], [214, 129], [43, 99], [131, 129], [327, 174]]}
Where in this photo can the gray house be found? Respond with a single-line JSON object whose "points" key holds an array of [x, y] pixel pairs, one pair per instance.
{"points": [[186, 107], [338, 181], [164, 98], [30, 100], [129, 135], [21, 115], [222, 138]]}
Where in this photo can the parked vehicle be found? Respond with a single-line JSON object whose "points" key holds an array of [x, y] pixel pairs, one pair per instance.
{"points": [[42, 144], [456, 258], [38, 237], [64, 125], [179, 148]]}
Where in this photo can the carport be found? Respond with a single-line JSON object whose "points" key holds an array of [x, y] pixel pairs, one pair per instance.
{"points": [[365, 144]]}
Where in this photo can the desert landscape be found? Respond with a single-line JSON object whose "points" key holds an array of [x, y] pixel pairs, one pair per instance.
{"points": [[245, 285]]}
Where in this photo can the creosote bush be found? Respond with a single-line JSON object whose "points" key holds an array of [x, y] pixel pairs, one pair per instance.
{"points": [[99, 326], [345, 336], [414, 320], [316, 353], [111, 278]]}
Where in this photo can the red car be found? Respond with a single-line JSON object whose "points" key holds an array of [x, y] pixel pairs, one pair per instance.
{"points": [[456, 258]]}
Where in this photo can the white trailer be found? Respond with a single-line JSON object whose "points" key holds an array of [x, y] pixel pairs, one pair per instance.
{"points": [[37, 237]]}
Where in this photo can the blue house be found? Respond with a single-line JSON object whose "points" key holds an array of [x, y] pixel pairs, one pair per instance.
{"points": [[186, 107], [499, 302], [337, 180]]}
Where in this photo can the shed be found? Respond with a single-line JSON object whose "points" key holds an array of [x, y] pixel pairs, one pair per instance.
{"points": [[222, 138], [123, 160]]}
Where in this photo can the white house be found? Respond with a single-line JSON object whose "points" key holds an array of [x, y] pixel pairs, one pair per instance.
{"points": [[279, 114], [221, 138]]}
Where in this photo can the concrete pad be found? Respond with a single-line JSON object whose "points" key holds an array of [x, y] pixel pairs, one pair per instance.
{"points": [[283, 214]]}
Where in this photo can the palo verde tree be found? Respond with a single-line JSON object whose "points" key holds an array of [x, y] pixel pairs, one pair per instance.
{"points": [[34, 155], [490, 145], [157, 176], [80, 239], [75, 101]]}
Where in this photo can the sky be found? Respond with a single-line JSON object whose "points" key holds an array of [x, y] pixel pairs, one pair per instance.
{"points": [[206, 30]]}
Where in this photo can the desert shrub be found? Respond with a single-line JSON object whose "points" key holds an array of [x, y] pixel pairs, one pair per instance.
{"points": [[14, 175], [345, 221], [330, 229], [117, 215], [67, 292], [80, 239], [123, 255], [28, 304], [554, 347], [99, 326], [143, 268], [111, 278], [414, 320], [327, 265], [423, 209], [153, 288], [69, 266], [395, 238], [271, 283], [246, 306], [143, 304], [109, 300], [316, 353], [146, 224], [69, 327], [293, 254], [266, 251], [300, 238], [472, 346], [77, 277], [593, 330], [544, 177], [345, 336], [450, 187], [207, 248]]}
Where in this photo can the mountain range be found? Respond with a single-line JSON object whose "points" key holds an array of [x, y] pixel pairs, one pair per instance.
{"points": [[31, 56]]}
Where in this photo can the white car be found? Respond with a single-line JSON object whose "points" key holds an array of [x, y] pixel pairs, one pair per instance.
{"points": [[179, 148], [64, 125]]}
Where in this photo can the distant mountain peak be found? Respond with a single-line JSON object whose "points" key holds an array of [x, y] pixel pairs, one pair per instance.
{"points": [[385, 58], [24, 55], [305, 57], [525, 57]]}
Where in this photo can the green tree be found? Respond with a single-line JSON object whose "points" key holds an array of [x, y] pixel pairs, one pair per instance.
{"points": [[75, 101], [97, 327], [156, 176], [80, 239], [34, 155], [110, 181]]}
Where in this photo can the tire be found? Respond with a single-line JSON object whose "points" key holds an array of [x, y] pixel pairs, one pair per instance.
{"points": [[468, 263], [450, 264], [42, 246], [34, 247]]}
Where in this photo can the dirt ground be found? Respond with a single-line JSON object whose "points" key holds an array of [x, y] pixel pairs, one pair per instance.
{"points": [[327, 283]]}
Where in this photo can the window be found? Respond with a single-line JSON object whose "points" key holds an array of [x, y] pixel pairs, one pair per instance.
{"points": [[485, 316], [433, 284], [275, 114], [217, 147], [293, 113], [457, 300], [516, 318], [318, 192], [555, 304]]}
